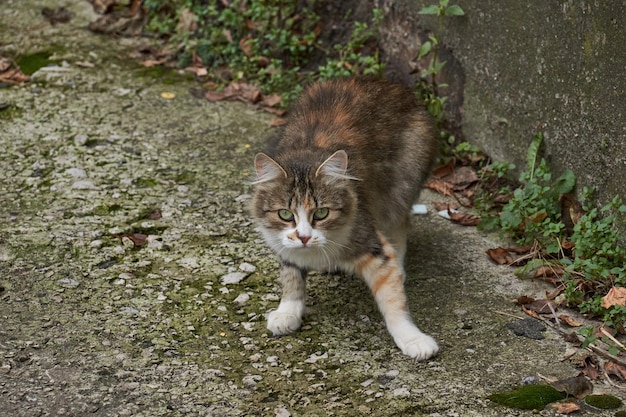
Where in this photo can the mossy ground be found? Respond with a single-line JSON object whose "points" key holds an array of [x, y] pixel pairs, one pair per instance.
{"points": [[95, 325]]}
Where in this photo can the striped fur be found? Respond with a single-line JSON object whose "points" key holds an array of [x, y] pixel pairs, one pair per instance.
{"points": [[334, 192]]}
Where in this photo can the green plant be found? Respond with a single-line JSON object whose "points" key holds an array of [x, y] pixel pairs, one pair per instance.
{"points": [[533, 214], [351, 60], [429, 90]]}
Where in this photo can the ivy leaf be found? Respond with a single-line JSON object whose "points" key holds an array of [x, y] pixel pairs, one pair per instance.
{"points": [[454, 10], [432, 9]]}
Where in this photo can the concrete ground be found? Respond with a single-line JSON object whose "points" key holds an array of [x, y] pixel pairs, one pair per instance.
{"points": [[94, 155]]}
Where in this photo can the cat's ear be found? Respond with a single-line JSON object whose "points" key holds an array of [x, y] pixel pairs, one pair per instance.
{"points": [[267, 169], [336, 166]]}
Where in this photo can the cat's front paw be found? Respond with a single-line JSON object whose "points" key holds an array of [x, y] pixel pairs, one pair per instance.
{"points": [[281, 323], [412, 342]]}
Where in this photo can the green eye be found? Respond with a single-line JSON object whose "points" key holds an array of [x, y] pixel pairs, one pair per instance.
{"points": [[285, 215], [321, 213]]}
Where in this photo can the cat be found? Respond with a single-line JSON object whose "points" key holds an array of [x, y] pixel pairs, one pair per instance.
{"points": [[335, 189]]}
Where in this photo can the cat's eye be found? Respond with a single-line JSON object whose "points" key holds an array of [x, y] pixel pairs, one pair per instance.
{"points": [[321, 213], [285, 215]]}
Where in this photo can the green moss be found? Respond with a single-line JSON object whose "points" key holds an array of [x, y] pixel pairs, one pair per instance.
{"points": [[603, 402], [31, 63], [620, 414], [8, 111], [528, 397]]}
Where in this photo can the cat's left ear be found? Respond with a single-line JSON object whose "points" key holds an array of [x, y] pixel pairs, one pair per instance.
{"points": [[336, 166]]}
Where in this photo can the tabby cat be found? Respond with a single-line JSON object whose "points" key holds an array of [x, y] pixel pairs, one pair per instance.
{"points": [[334, 192]]}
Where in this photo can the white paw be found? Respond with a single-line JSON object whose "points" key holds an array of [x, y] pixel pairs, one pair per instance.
{"points": [[412, 342], [280, 323]]}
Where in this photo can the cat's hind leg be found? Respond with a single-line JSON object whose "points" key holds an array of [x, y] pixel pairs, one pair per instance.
{"points": [[384, 276], [288, 317]]}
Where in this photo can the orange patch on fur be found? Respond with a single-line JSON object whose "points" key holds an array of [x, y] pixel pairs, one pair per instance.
{"points": [[381, 281]]}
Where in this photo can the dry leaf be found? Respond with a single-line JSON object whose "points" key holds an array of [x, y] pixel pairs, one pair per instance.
{"points": [[524, 299], [531, 313], [615, 296], [542, 306], [275, 122], [442, 187], [464, 219], [615, 369], [272, 100], [548, 271], [569, 321], [571, 211], [566, 408], [577, 386], [500, 256], [445, 170]]}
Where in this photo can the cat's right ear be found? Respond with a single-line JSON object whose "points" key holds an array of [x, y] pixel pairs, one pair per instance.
{"points": [[267, 169]]}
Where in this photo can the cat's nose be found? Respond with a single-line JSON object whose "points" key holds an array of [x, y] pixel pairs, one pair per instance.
{"points": [[304, 239]]}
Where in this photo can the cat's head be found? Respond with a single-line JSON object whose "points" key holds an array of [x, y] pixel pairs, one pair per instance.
{"points": [[302, 203]]}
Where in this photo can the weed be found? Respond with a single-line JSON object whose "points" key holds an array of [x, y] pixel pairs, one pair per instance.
{"points": [[429, 90], [265, 42]]}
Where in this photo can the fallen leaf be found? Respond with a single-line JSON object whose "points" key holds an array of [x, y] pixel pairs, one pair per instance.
{"points": [[548, 271], [464, 219], [442, 187], [572, 338], [542, 306], [571, 211], [566, 408], [500, 256], [577, 386], [524, 299], [615, 369], [462, 178], [445, 170], [615, 296], [138, 239], [569, 321], [531, 313], [272, 100]]}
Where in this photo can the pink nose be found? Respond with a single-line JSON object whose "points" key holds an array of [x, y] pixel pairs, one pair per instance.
{"points": [[304, 239]]}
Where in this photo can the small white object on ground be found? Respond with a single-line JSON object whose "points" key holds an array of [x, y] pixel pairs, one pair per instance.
{"points": [[419, 209], [446, 213]]}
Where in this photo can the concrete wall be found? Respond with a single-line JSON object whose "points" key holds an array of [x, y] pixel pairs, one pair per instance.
{"points": [[520, 67]]}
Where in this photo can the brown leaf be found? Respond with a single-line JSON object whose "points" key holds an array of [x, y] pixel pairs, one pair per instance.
{"points": [[462, 178], [524, 299], [445, 170], [542, 306], [616, 370], [571, 211], [531, 313], [244, 44], [566, 408], [464, 219], [500, 256], [272, 100], [548, 271], [591, 368], [577, 386], [569, 321], [138, 239], [615, 296], [572, 338], [442, 187]]}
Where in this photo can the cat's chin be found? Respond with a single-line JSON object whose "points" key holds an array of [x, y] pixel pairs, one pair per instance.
{"points": [[310, 257]]}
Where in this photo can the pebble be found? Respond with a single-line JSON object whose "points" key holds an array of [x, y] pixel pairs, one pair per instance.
{"points": [[401, 392], [84, 185], [315, 357], [233, 278], [76, 172], [96, 244], [80, 140], [68, 283], [246, 267], [242, 299]]}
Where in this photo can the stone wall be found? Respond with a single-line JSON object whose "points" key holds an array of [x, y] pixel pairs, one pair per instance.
{"points": [[517, 68]]}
